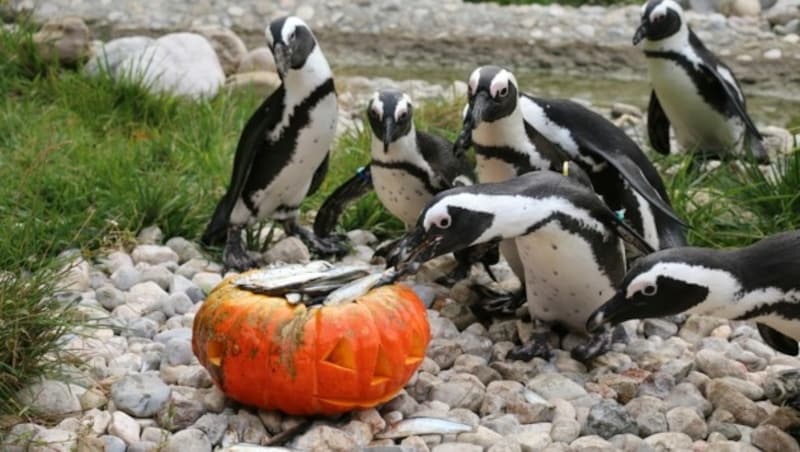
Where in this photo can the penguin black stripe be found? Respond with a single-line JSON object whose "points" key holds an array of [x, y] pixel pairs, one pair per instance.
{"points": [[708, 88], [507, 154], [270, 164], [411, 169], [785, 309]]}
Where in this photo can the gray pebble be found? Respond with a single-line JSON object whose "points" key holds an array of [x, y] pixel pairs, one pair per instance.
{"points": [[140, 395]]}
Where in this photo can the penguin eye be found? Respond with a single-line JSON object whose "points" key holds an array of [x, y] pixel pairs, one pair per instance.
{"points": [[402, 116], [649, 290], [293, 35], [443, 223], [503, 92]]}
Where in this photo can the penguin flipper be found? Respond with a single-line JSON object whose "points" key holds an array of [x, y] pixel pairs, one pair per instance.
{"points": [[625, 231], [631, 172], [252, 139], [450, 168], [657, 126], [778, 340], [319, 175], [328, 215]]}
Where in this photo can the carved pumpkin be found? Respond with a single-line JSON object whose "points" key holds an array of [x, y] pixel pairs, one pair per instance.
{"points": [[263, 351]]}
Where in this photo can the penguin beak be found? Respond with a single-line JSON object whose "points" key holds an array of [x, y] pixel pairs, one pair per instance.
{"points": [[415, 247], [604, 314], [479, 106], [282, 55], [640, 34], [388, 130]]}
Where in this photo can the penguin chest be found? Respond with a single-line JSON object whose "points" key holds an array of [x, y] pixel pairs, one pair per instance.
{"points": [[564, 281], [697, 125], [290, 185], [402, 193], [494, 170]]}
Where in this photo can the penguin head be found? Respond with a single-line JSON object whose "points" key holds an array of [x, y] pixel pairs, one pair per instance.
{"points": [[453, 220], [390, 116], [492, 94], [669, 282], [291, 42], [661, 19]]}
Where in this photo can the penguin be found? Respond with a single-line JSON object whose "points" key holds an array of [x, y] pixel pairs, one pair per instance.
{"points": [[760, 283], [282, 155], [514, 133], [407, 168], [692, 89], [569, 242]]}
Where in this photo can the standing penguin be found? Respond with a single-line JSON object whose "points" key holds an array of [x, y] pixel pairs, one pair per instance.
{"points": [[282, 155], [514, 133], [760, 282], [692, 89], [568, 241], [408, 167]]}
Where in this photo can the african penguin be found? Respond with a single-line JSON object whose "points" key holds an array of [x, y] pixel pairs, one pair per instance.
{"points": [[514, 133], [692, 89], [407, 167], [282, 155], [568, 240], [760, 282]]}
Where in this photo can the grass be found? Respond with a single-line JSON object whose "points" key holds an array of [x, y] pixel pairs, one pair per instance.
{"points": [[86, 163]]}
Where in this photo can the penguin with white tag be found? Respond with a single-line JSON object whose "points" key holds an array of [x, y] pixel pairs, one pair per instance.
{"points": [[693, 90], [760, 282], [282, 155], [569, 242]]}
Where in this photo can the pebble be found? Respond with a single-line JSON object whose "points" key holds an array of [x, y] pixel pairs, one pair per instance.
{"points": [[725, 396], [772, 439], [124, 427], [687, 420], [51, 398], [556, 386], [190, 439], [65, 40], [670, 442], [607, 419], [140, 395]]}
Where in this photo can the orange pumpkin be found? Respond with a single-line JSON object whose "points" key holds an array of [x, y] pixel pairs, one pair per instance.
{"points": [[266, 352]]}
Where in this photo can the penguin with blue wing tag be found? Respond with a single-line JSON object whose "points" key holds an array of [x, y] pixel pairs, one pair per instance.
{"points": [[282, 155], [570, 245], [693, 90]]}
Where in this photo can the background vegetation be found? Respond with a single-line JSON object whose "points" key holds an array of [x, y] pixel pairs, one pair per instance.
{"points": [[86, 163]]}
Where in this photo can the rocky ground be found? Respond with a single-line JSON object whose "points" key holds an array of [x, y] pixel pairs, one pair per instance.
{"points": [[761, 46], [700, 384]]}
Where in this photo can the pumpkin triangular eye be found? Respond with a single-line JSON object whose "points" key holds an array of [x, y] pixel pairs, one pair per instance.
{"points": [[342, 355], [383, 366], [416, 352]]}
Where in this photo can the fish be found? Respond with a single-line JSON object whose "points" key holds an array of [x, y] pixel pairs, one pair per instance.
{"points": [[423, 426], [315, 278]]}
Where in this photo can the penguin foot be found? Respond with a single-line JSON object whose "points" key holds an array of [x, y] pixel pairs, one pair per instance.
{"points": [[496, 304], [235, 255], [596, 345], [333, 245], [459, 273], [537, 347]]}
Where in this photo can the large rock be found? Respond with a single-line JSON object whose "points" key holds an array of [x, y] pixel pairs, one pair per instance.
{"points": [[257, 60], [140, 395], [51, 398], [65, 40], [229, 47], [772, 439], [54, 440], [725, 396], [607, 419], [783, 12], [190, 439], [259, 84], [183, 64]]}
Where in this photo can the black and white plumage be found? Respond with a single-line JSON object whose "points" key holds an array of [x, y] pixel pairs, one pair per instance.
{"points": [[514, 133], [282, 155], [693, 90], [407, 167], [568, 239], [760, 282]]}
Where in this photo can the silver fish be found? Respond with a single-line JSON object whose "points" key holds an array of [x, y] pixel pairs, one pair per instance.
{"points": [[312, 279], [359, 287], [423, 426]]}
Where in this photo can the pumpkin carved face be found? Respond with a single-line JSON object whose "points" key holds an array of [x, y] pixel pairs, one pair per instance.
{"points": [[263, 351]]}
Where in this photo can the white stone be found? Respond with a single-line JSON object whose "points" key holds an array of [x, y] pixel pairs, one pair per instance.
{"points": [[183, 64], [773, 54], [124, 427]]}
